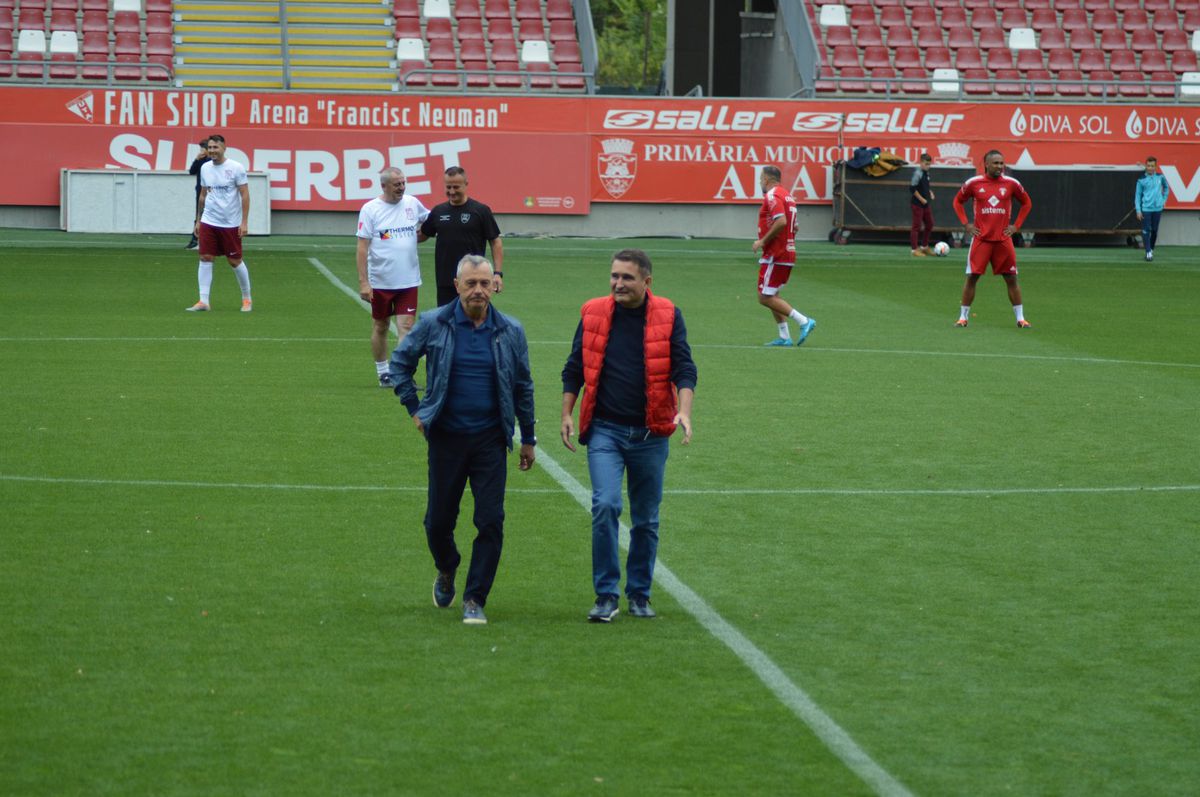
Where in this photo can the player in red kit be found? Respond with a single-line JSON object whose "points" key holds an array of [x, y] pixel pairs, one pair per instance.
{"points": [[991, 233], [777, 243]]}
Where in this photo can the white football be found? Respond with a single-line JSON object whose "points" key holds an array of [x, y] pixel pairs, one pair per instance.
{"points": [[941, 248]]}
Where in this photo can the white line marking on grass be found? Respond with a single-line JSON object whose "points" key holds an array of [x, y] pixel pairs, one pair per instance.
{"points": [[791, 695], [949, 491], [336, 488]]}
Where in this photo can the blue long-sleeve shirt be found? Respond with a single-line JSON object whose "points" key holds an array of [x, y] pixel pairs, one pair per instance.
{"points": [[1151, 193]]}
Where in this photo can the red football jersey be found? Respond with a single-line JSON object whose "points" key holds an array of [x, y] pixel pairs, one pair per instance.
{"points": [[778, 202], [993, 204]]}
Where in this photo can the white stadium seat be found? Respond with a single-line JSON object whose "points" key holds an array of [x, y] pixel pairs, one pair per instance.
{"points": [[1022, 39], [833, 15], [945, 81]]}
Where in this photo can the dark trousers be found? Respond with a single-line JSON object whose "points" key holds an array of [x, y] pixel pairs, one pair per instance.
{"points": [[922, 226], [1150, 220], [446, 294], [455, 459]]}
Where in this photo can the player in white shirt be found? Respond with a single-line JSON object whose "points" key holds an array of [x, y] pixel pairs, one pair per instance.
{"points": [[224, 208], [388, 270]]}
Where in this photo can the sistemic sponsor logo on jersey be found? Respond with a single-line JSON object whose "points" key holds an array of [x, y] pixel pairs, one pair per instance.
{"points": [[710, 117]]}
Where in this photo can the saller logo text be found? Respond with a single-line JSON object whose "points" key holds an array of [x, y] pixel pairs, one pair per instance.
{"points": [[711, 117]]}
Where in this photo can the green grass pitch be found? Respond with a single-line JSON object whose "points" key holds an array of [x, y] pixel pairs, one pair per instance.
{"points": [[975, 550]]}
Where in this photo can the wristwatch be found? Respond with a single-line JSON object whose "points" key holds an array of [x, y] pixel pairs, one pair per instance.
{"points": [[497, 273], [530, 442]]}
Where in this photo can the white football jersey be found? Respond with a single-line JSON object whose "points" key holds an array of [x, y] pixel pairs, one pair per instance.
{"points": [[392, 230], [223, 204]]}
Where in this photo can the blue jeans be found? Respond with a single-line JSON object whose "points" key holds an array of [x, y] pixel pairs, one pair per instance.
{"points": [[613, 450], [1150, 219]]}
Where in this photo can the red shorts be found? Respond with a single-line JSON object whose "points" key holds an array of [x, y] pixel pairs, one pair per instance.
{"points": [[385, 304], [216, 241], [1000, 254], [772, 275]]}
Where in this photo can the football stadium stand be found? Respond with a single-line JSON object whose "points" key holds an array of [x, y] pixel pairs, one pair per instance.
{"points": [[1065, 49], [354, 45]]}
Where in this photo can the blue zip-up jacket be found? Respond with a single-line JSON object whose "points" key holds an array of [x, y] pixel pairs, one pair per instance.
{"points": [[1150, 194], [432, 337]]}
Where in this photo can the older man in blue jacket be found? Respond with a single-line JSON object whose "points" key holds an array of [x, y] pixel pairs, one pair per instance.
{"points": [[477, 378], [1149, 199]]}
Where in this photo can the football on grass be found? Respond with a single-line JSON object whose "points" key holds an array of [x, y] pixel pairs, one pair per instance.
{"points": [[941, 248]]}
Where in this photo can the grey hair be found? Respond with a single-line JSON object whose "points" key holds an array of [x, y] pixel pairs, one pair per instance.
{"points": [[472, 261], [389, 173]]}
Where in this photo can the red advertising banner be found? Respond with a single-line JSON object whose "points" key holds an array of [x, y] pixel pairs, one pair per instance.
{"points": [[559, 154]]}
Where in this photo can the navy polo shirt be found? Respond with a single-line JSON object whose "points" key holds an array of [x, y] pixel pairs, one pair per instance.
{"points": [[471, 401]]}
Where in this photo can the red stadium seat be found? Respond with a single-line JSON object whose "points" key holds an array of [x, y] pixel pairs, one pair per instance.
{"points": [[1154, 61], [507, 81], [55, 5], [959, 38], [938, 58], [968, 58], [983, 18], [1043, 19], [906, 58], [975, 82], [923, 15], [471, 50], [497, 9], [1036, 5], [1060, 58], [892, 15], [445, 80], [62, 20], [853, 79], [438, 28], [1122, 61], [1030, 60], [562, 30], [160, 75], [930, 36], [568, 53], [1184, 61], [570, 82], [1164, 20], [444, 50], [1070, 83], [1091, 60], [504, 50], [539, 75], [1040, 82], [868, 36], [1074, 19], [899, 35], [1175, 40], [999, 58], [127, 43], [31, 19], [500, 29], [1052, 38], [1014, 18], [837, 35], [408, 28], [94, 5], [127, 67], [407, 76], [94, 46], [559, 9], [529, 9], [1162, 83], [1102, 83], [874, 57], [883, 79], [1097, 5], [1009, 82], [992, 37], [1083, 40], [1134, 19], [1191, 20], [1162, 5], [470, 29], [862, 15], [1133, 84], [914, 80], [126, 22], [30, 64], [1113, 39], [1126, 5], [467, 9], [914, 5], [480, 79], [159, 23], [845, 56], [159, 6], [970, 5], [532, 29], [406, 8], [1105, 19], [954, 17], [1001, 5], [1143, 40], [159, 44]]}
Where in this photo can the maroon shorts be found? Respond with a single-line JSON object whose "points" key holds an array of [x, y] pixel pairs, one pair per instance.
{"points": [[217, 241], [385, 304], [1001, 255], [772, 275]]}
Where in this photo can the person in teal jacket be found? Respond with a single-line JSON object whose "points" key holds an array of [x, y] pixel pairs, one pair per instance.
{"points": [[1148, 200]]}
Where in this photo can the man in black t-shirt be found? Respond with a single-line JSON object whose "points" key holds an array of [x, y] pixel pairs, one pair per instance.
{"points": [[462, 226]]}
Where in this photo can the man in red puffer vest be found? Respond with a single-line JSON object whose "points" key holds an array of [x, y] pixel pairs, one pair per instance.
{"points": [[631, 359]]}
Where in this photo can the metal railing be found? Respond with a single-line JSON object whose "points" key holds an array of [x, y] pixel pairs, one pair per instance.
{"points": [[1039, 89], [43, 71]]}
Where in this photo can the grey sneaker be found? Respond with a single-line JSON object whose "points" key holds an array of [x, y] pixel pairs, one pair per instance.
{"points": [[640, 607], [604, 611], [473, 613], [443, 590], [385, 380]]}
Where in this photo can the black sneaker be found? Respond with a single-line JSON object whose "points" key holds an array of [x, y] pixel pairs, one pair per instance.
{"points": [[193, 244], [640, 607], [604, 611], [443, 590], [473, 613], [385, 380]]}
